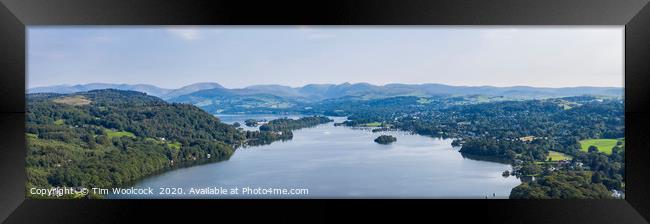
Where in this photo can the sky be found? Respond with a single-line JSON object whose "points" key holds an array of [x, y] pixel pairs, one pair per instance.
{"points": [[240, 56]]}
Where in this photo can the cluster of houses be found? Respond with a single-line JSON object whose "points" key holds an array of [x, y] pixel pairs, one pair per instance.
{"points": [[529, 138], [565, 164], [557, 165]]}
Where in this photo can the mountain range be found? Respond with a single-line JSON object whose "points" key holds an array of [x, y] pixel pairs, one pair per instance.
{"points": [[317, 92], [215, 98], [145, 88]]}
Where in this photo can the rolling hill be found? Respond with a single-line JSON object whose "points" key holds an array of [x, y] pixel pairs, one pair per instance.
{"points": [[215, 98], [107, 138]]}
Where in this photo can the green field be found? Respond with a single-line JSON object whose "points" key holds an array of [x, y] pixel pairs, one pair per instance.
{"points": [[111, 134], [73, 100], [174, 145], [59, 122], [557, 156], [373, 124], [604, 144]]}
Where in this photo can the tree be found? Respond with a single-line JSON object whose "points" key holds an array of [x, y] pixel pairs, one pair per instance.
{"points": [[385, 139], [251, 122], [562, 185], [596, 178], [592, 148], [530, 168], [102, 140]]}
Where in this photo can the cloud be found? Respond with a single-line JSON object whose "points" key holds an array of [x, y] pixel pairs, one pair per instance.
{"points": [[185, 33]]}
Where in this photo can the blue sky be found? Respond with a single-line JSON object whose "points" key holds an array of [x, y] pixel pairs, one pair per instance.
{"points": [[239, 56]]}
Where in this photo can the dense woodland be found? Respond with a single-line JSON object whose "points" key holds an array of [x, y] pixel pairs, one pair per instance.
{"points": [[108, 138], [281, 129], [519, 132], [286, 124], [385, 139]]}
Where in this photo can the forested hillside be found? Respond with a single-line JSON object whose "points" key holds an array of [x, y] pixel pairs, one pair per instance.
{"points": [[109, 137], [523, 133], [106, 138]]}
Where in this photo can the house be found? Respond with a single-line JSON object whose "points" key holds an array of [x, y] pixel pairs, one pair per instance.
{"points": [[563, 162], [527, 138], [617, 194]]}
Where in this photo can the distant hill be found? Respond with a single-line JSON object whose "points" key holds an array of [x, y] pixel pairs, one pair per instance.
{"points": [[108, 138], [516, 92], [214, 97], [145, 88], [65, 89], [316, 92], [235, 100], [278, 96], [278, 90], [190, 89]]}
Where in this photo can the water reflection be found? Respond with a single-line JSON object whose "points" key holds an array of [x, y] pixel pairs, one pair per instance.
{"points": [[343, 162]]}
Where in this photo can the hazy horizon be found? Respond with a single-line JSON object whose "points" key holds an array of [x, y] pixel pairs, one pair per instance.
{"points": [[352, 83], [238, 57]]}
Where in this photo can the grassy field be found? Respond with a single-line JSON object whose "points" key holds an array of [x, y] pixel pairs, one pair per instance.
{"points": [[171, 144], [174, 145], [604, 144], [73, 100], [373, 124], [557, 156], [112, 134], [59, 122]]}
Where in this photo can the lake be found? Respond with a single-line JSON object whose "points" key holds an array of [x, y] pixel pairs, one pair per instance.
{"points": [[341, 162]]}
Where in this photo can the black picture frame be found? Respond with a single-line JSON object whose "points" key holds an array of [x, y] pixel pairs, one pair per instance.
{"points": [[15, 15]]}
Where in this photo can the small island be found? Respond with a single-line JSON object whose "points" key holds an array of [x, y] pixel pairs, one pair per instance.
{"points": [[385, 139], [380, 129], [284, 124], [251, 122]]}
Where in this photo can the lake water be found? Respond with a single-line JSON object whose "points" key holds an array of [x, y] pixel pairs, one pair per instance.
{"points": [[341, 162]]}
